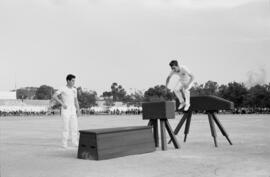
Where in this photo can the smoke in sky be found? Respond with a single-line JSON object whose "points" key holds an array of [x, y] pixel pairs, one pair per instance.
{"points": [[256, 77]]}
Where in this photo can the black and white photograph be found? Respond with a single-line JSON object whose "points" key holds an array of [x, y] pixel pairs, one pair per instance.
{"points": [[144, 88]]}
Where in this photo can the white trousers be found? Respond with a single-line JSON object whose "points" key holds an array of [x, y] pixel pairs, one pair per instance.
{"points": [[179, 91], [70, 126]]}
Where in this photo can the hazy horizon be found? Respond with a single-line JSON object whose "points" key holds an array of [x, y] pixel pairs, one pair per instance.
{"points": [[131, 43]]}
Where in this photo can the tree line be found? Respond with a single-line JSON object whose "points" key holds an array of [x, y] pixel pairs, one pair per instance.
{"points": [[257, 96]]}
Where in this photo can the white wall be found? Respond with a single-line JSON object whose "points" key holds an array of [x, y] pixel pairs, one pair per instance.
{"points": [[8, 95]]}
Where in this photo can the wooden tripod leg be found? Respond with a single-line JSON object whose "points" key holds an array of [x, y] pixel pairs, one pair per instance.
{"points": [[224, 133], [163, 134], [178, 127], [212, 128], [187, 125], [155, 131], [153, 123], [173, 138], [150, 123]]}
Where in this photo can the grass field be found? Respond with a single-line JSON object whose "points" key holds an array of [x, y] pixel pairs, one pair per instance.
{"points": [[30, 147]]}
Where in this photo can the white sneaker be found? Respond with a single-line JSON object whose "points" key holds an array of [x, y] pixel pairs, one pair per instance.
{"points": [[181, 106], [186, 107]]}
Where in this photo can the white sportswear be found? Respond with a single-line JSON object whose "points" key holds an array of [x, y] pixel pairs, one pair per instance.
{"points": [[68, 96]]}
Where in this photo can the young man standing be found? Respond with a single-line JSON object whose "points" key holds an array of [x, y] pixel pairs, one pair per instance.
{"points": [[183, 85], [67, 97]]}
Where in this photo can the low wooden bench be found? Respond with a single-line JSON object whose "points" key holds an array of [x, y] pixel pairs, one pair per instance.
{"points": [[99, 144]]}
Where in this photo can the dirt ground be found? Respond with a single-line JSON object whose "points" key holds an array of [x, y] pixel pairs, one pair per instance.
{"points": [[30, 147]]}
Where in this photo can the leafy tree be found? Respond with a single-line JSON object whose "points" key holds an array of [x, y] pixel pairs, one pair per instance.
{"points": [[222, 91], [118, 92], [44, 92], [258, 96], [267, 100], [197, 89], [137, 96], [210, 88], [21, 94], [108, 98], [106, 94], [134, 99], [235, 92], [86, 98], [26, 93], [159, 92], [267, 86]]}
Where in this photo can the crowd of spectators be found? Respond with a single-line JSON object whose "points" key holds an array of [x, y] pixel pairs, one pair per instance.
{"points": [[22, 113], [255, 110], [112, 110], [38, 111], [23, 110]]}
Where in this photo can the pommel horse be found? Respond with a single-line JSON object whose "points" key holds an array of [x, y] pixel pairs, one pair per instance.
{"points": [[209, 105]]}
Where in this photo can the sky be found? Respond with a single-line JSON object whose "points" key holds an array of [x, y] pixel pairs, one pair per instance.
{"points": [[132, 42]]}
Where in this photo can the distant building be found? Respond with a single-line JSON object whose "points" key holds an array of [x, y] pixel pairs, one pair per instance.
{"points": [[9, 103], [13, 105], [101, 102], [7, 95]]}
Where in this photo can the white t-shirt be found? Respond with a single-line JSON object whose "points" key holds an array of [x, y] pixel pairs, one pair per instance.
{"points": [[183, 74], [68, 96]]}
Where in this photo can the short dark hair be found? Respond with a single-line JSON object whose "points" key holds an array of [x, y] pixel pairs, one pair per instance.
{"points": [[173, 63], [70, 77]]}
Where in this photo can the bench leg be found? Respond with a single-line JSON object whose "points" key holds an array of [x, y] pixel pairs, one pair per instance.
{"points": [[163, 134], [155, 129]]}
